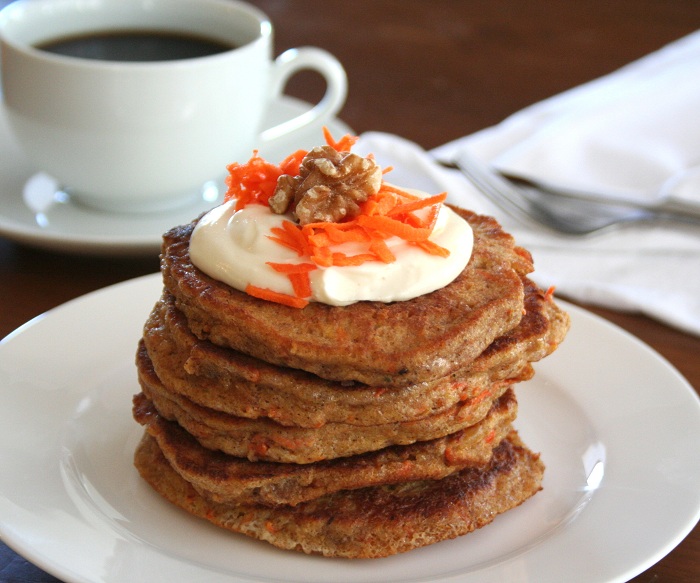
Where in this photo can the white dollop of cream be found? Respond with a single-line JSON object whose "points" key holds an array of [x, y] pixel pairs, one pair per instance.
{"points": [[233, 247]]}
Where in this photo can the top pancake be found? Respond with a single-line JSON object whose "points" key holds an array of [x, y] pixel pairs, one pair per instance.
{"points": [[376, 343]]}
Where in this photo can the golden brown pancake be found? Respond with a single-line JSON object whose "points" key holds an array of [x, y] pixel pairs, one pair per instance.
{"points": [[375, 343], [369, 522], [264, 439], [228, 381], [226, 479]]}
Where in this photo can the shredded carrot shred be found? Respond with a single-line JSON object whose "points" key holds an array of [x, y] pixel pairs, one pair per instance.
{"points": [[343, 145], [415, 221], [322, 256], [432, 217], [392, 212], [417, 204], [281, 237], [386, 187], [301, 284], [290, 165], [320, 239], [382, 251], [290, 236], [343, 260], [380, 204], [298, 275], [353, 234], [433, 248], [390, 226], [263, 293], [292, 267]]}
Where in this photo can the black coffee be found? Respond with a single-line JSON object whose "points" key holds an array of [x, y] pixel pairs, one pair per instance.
{"points": [[135, 46]]}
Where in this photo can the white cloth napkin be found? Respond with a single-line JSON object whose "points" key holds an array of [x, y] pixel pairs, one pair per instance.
{"points": [[653, 270], [634, 133]]}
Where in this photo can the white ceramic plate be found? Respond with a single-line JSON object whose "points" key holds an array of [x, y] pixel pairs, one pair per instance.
{"points": [[33, 213], [617, 426]]}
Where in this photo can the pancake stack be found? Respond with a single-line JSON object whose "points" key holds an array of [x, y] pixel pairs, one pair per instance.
{"points": [[358, 431]]}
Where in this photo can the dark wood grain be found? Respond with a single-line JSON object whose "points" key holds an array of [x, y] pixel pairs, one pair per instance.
{"points": [[431, 72]]}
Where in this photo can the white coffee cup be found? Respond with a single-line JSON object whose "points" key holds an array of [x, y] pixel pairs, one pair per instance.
{"points": [[145, 136]]}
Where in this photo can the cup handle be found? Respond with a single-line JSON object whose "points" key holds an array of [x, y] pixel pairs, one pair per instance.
{"points": [[289, 63]]}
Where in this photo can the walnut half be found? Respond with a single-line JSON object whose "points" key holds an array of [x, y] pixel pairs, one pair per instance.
{"points": [[329, 187]]}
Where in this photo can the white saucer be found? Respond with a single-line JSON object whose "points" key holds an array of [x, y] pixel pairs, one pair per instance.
{"points": [[31, 213]]}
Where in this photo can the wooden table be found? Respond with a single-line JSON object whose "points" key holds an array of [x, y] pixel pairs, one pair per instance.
{"points": [[431, 72]]}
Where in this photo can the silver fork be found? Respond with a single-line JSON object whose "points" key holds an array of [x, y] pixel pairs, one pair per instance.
{"points": [[562, 214]]}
